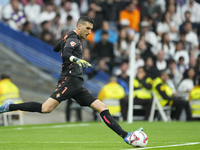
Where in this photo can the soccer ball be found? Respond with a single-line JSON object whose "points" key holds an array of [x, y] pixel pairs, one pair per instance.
{"points": [[139, 139]]}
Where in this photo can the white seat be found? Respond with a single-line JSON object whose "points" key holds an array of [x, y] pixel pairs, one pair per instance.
{"points": [[195, 106], [7, 117], [165, 111], [113, 102]]}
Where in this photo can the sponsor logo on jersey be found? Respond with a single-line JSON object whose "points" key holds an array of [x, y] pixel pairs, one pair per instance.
{"points": [[58, 95], [72, 43]]}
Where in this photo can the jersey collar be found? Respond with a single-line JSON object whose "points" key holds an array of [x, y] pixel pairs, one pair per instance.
{"points": [[76, 34]]}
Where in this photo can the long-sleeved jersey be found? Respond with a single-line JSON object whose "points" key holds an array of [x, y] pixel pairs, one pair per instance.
{"points": [[69, 46]]}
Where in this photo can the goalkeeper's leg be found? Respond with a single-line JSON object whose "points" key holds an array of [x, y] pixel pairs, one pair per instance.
{"points": [[46, 107], [107, 118], [110, 121]]}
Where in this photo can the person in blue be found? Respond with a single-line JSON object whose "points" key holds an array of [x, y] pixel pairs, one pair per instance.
{"points": [[112, 35]]}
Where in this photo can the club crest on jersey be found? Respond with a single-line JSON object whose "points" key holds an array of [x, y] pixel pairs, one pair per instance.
{"points": [[58, 95], [72, 43]]}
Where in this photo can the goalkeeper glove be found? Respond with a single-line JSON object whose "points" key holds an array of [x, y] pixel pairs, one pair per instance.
{"points": [[80, 62]]}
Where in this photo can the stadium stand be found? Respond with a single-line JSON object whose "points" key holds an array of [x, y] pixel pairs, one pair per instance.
{"points": [[32, 49]]}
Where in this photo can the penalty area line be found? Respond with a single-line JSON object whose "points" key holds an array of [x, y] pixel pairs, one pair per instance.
{"points": [[194, 143]]}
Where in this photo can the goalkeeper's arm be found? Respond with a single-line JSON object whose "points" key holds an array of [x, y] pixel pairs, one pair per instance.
{"points": [[80, 62], [67, 54]]}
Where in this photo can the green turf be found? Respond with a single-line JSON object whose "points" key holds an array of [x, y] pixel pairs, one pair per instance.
{"points": [[97, 136]]}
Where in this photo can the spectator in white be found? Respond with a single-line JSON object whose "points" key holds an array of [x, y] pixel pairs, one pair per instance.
{"points": [[56, 27], [48, 14], [75, 8], [150, 36], [69, 8], [177, 4], [124, 24], [167, 46], [194, 8], [160, 63], [143, 48], [181, 53], [191, 36], [167, 25], [181, 67], [176, 18], [173, 73], [139, 62], [70, 25], [14, 14], [188, 46], [187, 84], [122, 46], [32, 11]]}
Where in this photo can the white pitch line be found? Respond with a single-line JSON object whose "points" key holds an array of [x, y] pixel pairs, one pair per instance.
{"points": [[194, 143], [47, 127]]}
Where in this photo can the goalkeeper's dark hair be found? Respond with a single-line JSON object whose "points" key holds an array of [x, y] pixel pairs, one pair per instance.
{"points": [[84, 19]]}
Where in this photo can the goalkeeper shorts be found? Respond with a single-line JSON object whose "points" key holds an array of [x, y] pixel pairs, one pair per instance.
{"points": [[72, 87]]}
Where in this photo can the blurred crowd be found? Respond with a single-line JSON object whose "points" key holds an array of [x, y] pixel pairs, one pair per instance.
{"points": [[166, 34]]}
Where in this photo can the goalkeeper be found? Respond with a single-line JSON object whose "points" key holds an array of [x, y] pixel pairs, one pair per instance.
{"points": [[70, 82]]}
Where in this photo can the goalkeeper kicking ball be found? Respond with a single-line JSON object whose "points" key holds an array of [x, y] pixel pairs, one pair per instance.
{"points": [[139, 139]]}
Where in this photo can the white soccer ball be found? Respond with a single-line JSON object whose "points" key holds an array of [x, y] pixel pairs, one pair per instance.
{"points": [[139, 139]]}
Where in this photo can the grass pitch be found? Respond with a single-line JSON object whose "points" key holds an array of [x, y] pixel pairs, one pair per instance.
{"points": [[97, 136]]}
